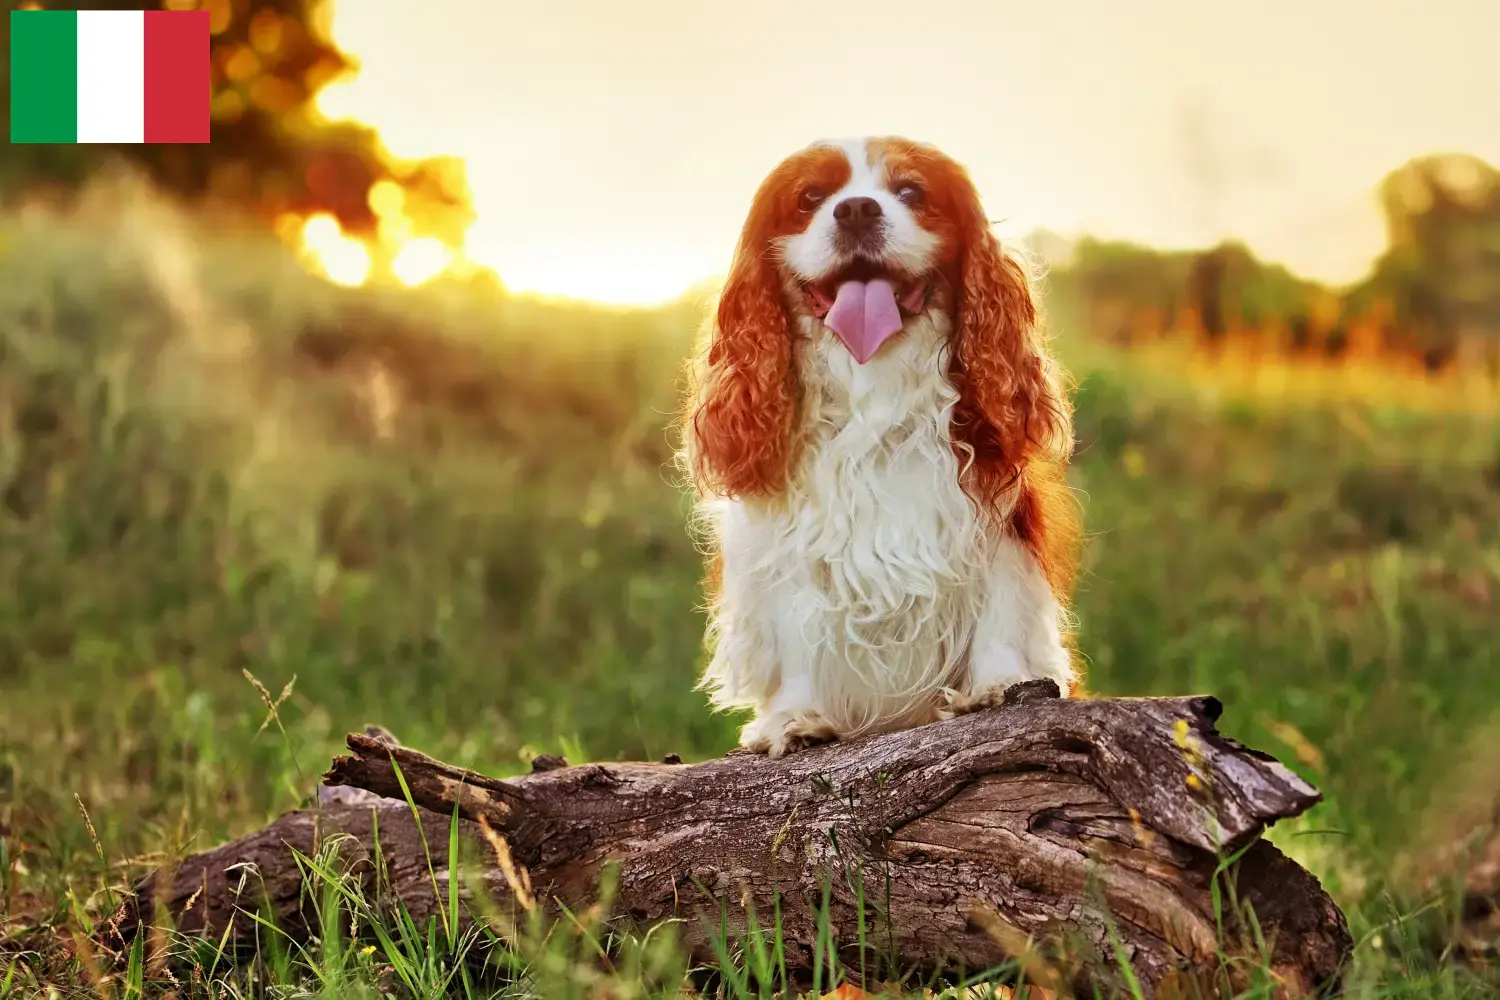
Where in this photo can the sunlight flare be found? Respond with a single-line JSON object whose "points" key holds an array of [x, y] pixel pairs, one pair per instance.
{"points": [[341, 258]]}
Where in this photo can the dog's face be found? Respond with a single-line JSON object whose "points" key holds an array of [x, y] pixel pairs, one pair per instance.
{"points": [[862, 231], [879, 223]]}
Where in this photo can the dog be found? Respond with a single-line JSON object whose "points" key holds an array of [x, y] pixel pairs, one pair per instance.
{"points": [[877, 436]]}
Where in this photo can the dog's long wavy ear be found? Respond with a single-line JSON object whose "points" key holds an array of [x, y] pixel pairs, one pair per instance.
{"points": [[1013, 406], [1014, 413], [740, 414]]}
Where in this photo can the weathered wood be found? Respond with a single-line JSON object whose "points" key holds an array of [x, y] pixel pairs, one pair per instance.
{"points": [[1050, 818]]}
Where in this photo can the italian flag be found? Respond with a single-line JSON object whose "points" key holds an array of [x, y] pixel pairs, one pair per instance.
{"points": [[119, 76]]}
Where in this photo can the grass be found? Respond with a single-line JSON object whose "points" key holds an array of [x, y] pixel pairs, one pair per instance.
{"points": [[449, 512]]}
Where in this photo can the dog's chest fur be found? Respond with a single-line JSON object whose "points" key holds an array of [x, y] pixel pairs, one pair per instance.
{"points": [[873, 558]]}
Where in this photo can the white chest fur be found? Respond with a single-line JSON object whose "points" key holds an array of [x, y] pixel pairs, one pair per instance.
{"points": [[860, 587]]}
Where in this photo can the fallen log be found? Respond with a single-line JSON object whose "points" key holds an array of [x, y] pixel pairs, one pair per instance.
{"points": [[1093, 827]]}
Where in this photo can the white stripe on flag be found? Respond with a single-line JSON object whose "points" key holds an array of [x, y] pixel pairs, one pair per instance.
{"points": [[111, 76]]}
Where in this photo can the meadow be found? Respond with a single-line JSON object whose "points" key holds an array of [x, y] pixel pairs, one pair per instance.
{"points": [[452, 512]]}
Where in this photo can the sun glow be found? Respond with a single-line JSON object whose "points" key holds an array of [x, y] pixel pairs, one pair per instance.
{"points": [[340, 258], [420, 260], [580, 268], [603, 274]]}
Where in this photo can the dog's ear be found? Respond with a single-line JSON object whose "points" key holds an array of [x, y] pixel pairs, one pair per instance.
{"points": [[1013, 406], [742, 408], [1013, 419]]}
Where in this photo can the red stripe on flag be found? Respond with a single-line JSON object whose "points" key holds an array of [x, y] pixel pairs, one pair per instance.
{"points": [[177, 78]]}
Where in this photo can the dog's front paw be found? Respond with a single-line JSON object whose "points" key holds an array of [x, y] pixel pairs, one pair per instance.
{"points": [[806, 730], [779, 734], [956, 703]]}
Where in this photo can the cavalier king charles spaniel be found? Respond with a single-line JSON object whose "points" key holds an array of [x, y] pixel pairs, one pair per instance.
{"points": [[878, 437]]}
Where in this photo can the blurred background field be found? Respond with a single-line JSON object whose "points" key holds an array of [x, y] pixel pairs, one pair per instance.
{"points": [[252, 444]]}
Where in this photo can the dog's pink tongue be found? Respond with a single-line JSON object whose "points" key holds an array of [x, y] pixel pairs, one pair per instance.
{"points": [[864, 315]]}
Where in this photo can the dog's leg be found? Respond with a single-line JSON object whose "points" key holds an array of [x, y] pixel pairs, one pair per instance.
{"points": [[787, 717], [1019, 635], [789, 722]]}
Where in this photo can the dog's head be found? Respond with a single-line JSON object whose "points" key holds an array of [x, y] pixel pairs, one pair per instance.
{"points": [[862, 236]]}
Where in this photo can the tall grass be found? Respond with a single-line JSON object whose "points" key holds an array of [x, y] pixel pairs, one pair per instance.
{"points": [[451, 512]]}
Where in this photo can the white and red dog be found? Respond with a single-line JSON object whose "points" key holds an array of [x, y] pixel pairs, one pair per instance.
{"points": [[878, 438]]}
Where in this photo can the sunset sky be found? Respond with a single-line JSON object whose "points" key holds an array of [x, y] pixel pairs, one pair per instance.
{"points": [[613, 145]]}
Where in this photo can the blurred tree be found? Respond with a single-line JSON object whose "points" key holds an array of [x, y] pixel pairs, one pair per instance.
{"points": [[271, 152], [1441, 273], [1212, 293], [1206, 290], [1122, 283], [1234, 291], [1433, 296]]}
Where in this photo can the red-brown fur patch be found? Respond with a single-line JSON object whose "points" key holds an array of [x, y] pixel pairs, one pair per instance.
{"points": [[999, 364], [1047, 520], [743, 414]]}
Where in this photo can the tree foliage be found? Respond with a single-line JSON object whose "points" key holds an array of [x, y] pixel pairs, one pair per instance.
{"points": [[1137, 292], [1433, 295], [1441, 272]]}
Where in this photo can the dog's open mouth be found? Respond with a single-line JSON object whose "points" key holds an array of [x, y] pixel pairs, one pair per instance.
{"points": [[910, 293], [865, 305]]}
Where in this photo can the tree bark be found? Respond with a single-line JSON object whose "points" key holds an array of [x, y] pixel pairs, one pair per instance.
{"points": [[1093, 827]]}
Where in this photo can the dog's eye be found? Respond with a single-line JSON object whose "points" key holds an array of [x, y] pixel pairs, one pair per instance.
{"points": [[811, 198], [910, 194]]}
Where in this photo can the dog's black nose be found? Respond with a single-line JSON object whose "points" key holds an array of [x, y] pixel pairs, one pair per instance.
{"points": [[857, 213]]}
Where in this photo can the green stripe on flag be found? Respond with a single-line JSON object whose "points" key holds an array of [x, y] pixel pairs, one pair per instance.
{"points": [[43, 76]]}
